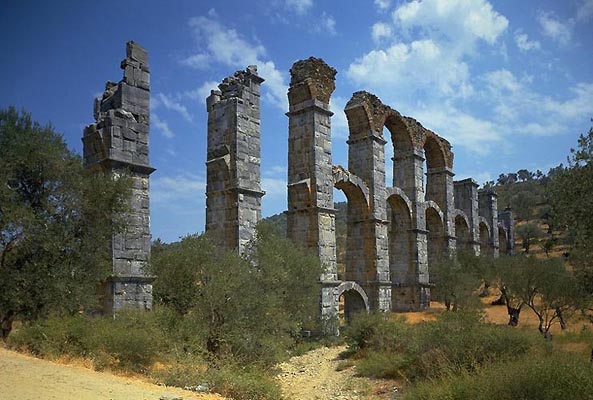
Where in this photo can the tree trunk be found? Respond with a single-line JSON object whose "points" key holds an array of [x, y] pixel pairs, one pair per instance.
{"points": [[561, 318], [513, 315], [6, 324]]}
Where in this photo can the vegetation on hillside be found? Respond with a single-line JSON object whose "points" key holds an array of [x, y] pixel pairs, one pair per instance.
{"points": [[55, 223]]}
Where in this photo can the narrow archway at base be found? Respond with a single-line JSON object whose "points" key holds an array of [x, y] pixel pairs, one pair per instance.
{"points": [[352, 300]]}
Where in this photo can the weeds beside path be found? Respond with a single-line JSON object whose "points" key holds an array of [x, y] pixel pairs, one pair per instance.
{"points": [[27, 378]]}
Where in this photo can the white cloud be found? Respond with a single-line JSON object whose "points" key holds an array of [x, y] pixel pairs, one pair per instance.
{"points": [[460, 128], [411, 67], [223, 45], [382, 4], [533, 113], [274, 187], [170, 104], [162, 126], [585, 10], [178, 188], [299, 6], [328, 24], [339, 120], [460, 22], [523, 42], [380, 30], [555, 29], [202, 92]]}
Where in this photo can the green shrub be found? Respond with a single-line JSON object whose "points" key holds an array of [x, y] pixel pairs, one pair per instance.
{"points": [[55, 336], [243, 383], [456, 342], [541, 376]]}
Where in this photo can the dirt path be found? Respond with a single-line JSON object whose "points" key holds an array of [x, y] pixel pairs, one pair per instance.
{"points": [[27, 378], [313, 376]]}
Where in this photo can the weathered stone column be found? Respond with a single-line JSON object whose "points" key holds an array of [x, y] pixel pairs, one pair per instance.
{"points": [[508, 222], [466, 199], [408, 175], [488, 208], [366, 159], [441, 191], [311, 213], [117, 143], [233, 188]]}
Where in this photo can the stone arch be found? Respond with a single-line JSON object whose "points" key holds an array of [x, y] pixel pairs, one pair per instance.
{"points": [[436, 233], [462, 231], [484, 236], [358, 266], [355, 299], [503, 240], [401, 248], [439, 164], [352, 186]]}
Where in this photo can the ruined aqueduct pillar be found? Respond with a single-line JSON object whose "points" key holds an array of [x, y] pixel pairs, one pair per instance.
{"points": [[408, 174], [311, 213], [117, 143], [466, 199], [366, 159], [233, 188], [488, 208]]}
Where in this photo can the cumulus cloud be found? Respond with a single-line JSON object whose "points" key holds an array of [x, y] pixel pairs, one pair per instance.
{"points": [[178, 188], [585, 10], [299, 6], [411, 67], [224, 45], [162, 126], [523, 42], [328, 24], [380, 30], [382, 4], [202, 92], [557, 30], [457, 21], [530, 112], [169, 103]]}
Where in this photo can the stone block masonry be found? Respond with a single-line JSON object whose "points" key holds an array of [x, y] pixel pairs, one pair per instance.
{"points": [[233, 176], [395, 234], [118, 143]]}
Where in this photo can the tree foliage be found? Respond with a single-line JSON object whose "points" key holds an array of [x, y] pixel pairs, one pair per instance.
{"points": [[55, 222], [249, 307], [545, 286]]}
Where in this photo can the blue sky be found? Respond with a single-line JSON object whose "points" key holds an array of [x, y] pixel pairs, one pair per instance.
{"points": [[508, 83]]}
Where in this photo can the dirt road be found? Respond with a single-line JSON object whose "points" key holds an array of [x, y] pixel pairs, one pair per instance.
{"points": [[313, 376], [28, 378]]}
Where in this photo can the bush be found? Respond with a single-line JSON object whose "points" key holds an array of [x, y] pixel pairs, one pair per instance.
{"points": [[542, 377], [129, 341], [456, 342], [243, 383]]}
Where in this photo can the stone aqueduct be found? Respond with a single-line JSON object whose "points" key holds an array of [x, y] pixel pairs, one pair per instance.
{"points": [[394, 234]]}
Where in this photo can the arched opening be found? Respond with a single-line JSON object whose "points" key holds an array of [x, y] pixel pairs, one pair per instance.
{"points": [[485, 248], [401, 266], [404, 161], [502, 241], [435, 236], [435, 170], [462, 233], [357, 267], [352, 300]]}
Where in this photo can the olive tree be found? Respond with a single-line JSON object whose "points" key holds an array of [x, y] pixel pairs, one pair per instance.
{"points": [[55, 223]]}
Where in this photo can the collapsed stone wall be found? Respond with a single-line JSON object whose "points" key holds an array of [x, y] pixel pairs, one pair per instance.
{"points": [[117, 143]]}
